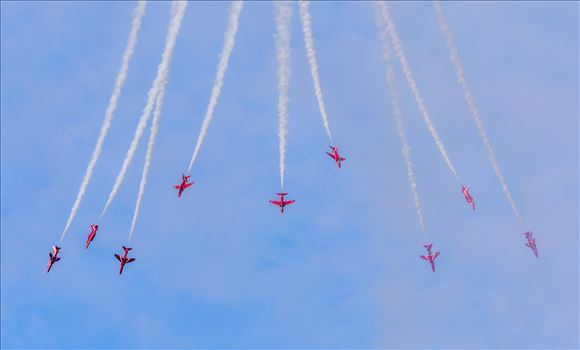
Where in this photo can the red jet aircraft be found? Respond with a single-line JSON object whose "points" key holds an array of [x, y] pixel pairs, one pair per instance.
{"points": [[282, 203], [123, 259], [531, 242], [52, 257], [91, 235], [334, 155], [430, 257], [184, 184], [468, 198]]}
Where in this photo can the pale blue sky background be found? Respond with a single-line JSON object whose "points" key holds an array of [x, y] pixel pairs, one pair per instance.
{"points": [[220, 267]]}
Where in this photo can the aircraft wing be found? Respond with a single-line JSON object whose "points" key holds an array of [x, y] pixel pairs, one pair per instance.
{"points": [[330, 154], [187, 185], [289, 202], [176, 187], [435, 255], [118, 257], [278, 203], [424, 257], [131, 260]]}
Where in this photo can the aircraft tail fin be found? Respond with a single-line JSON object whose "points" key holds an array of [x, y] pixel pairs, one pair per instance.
{"points": [[126, 249], [281, 194]]}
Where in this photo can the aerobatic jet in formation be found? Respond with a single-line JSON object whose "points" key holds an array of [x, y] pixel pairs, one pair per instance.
{"points": [[184, 184], [123, 259], [334, 155], [52, 257], [91, 235], [468, 198], [430, 257], [531, 242], [282, 203]]}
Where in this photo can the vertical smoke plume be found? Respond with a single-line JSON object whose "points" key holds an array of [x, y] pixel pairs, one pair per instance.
{"points": [[409, 75], [177, 11], [283, 16], [138, 14], [381, 27], [454, 56], [311, 54], [229, 41]]}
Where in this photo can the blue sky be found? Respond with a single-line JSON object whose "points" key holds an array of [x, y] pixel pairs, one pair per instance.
{"points": [[220, 267]]}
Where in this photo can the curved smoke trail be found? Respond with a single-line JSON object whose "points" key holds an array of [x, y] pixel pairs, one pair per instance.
{"points": [[381, 27], [418, 98], [149, 154], [454, 56], [178, 9], [311, 54], [138, 14], [229, 41], [283, 16]]}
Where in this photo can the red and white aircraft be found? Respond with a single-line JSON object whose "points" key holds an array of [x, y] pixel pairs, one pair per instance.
{"points": [[531, 242], [184, 184], [123, 259], [91, 235], [334, 155], [468, 198], [282, 203], [52, 257], [430, 257]]}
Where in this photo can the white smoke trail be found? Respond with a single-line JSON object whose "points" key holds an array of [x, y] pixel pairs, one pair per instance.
{"points": [[149, 154], [311, 54], [283, 16], [229, 41], [138, 14], [178, 9], [381, 27], [454, 56], [409, 75]]}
